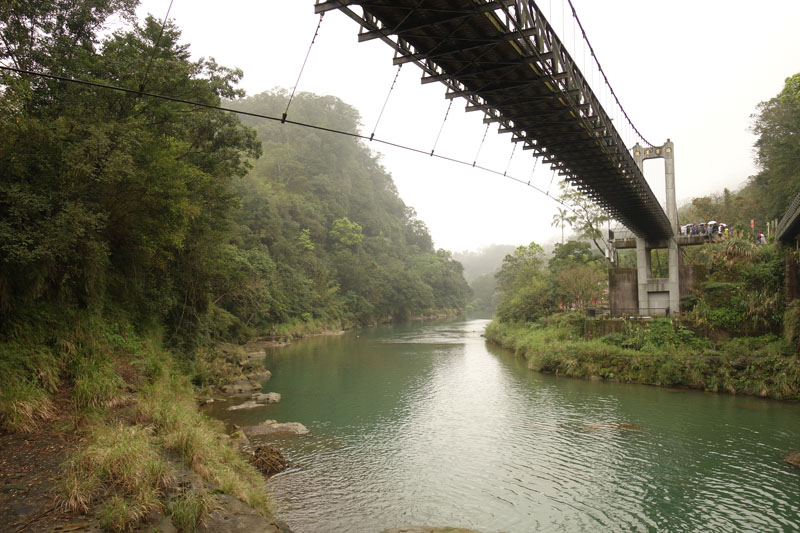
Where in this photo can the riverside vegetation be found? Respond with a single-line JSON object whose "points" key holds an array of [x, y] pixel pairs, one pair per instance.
{"points": [[736, 333], [137, 235]]}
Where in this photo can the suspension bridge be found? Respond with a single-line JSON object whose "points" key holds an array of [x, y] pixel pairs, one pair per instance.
{"points": [[506, 60]]}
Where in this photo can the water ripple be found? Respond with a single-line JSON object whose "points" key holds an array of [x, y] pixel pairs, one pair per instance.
{"points": [[426, 426]]}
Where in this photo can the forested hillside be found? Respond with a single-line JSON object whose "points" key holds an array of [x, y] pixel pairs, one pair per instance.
{"points": [[139, 237], [145, 208], [125, 216], [766, 195], [321, 222]]}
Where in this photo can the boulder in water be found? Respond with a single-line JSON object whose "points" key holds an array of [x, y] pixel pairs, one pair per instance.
{"points": [[269, 397], [240, 387], [793, 458], [249, 404], [272, 428]]}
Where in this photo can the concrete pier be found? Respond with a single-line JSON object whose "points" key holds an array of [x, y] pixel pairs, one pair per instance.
{"points": [[659, 296]]}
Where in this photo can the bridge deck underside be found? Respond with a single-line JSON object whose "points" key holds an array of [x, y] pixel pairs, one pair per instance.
{"points": [[508, 63]]}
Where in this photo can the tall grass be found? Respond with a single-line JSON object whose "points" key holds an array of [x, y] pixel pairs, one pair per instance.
{"points": [[122, 464], [200, 443], [28, 375]]}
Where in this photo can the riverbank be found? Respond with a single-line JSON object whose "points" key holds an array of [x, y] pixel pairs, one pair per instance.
{"points": [[657, 353], [100, 429]]}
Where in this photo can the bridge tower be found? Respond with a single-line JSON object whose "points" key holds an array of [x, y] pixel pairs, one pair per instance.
{"points": [[659, 295]]}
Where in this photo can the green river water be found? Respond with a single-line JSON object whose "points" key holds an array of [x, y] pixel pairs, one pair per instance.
{"points": [[428, 425]]}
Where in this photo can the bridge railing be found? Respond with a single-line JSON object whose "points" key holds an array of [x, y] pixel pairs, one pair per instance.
{"points": [[791, 218]]}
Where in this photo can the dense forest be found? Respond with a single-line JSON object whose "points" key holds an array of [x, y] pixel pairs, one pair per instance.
{"points": [[142, 238], [182, 217]]}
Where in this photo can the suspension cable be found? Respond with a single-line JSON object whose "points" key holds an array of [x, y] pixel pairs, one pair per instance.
{"points": [[385, 102], [281, 120], [605, 78], [481, 145], [441, 127], [155, 48], [296, 83], [514, 149], [535, 160], [551, 181]]}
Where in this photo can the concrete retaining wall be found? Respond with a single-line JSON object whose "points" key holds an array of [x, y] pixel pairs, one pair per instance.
{"points": [[623, 293]]}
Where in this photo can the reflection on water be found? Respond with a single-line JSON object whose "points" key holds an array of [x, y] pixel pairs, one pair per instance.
{"points": [[422, 424]]}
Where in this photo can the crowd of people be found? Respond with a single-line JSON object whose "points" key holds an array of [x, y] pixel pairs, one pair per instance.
{"points": [[711, 230], [715, 231]]}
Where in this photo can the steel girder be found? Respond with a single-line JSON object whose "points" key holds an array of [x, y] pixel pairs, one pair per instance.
{"points": [[504, 58]]}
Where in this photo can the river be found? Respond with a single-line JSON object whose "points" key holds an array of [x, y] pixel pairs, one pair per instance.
{"points": [[427, 424]]}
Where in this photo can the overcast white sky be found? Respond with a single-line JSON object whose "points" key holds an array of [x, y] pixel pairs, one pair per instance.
{"points": [[692, 71]]}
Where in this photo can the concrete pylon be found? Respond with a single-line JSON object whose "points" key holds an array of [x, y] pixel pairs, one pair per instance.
{"points": [[659, 295]]}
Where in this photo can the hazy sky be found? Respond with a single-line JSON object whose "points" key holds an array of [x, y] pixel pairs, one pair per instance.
{"points": [[692, 71]]}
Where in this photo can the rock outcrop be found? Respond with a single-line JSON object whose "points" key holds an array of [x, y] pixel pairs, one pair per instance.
{"points": [[270, 427], [269, 397], [793, 458], [249, 404], [249, 382]]}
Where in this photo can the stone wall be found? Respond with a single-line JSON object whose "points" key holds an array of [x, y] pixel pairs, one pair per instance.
{"points": [[690, 277]]}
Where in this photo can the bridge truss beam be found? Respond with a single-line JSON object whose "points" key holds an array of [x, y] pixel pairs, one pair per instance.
{"points": [[505, 59]]}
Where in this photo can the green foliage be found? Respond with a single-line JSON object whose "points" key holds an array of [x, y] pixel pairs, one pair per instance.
{"points": [[658, 354], [96, 381], [23, 404], [188, 510], [525, 294], [327, 215], [345, 232], [169, 405], [165, 214], [585, 216], [122, 459], [484, 301], [743, 292]]}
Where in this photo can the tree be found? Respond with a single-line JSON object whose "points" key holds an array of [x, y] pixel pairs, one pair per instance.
{"points": [[574, 253], [559, 219], [580, 284], [522, 282], [586, 218], [108, 198], [777, 125], [345, 232]]}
